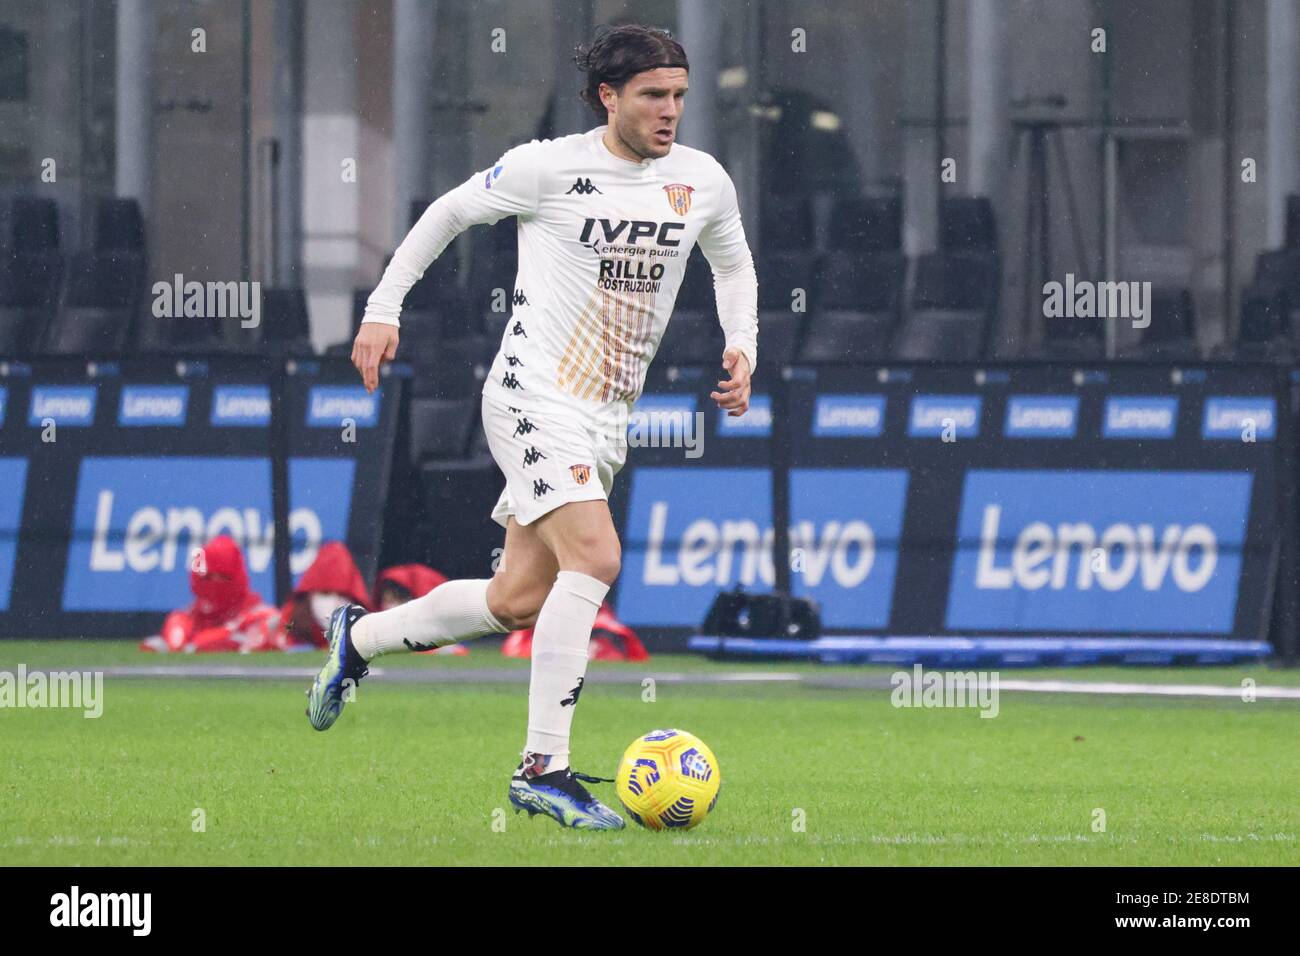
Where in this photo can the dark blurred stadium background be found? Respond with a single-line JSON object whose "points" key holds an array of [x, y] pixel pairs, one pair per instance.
{"points": [[298, 146]]}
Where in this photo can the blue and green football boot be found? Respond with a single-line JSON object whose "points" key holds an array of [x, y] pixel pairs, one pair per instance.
{"points": [[325, 698], [559, 795]]}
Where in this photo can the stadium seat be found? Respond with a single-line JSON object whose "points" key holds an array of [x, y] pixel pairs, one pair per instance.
{"points": [[450, 369], [872, 280], [1262, 335], [33, 225], [456, 501], [866, 223], [966, 279], [1280, 269], [494, 325], [847, 335], [779, 336], [285, 328], [359, 298], [787, 224], [494, 264], [422, 324], [419, 342], [857, 296], [692, 337], [1293, 221], [102, 295], [696, 290], [29, 291], [967, 222], [781, 274], [945, 334], [440, 283], [119, 226], [1171, 335], [440, 428], [953, 299], [1073, 339]]}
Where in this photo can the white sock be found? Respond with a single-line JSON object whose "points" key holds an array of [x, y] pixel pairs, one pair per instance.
{"points": [[451, 612], [560, 641]]}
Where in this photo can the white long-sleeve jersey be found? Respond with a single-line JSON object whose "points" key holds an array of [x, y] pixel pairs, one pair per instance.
{"points": [[603, 245]]}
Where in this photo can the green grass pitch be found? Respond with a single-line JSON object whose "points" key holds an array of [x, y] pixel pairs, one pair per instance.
{"points": [[416, 773]]}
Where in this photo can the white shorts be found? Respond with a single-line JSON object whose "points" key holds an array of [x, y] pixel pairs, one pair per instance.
{"points": [[549, 458]]}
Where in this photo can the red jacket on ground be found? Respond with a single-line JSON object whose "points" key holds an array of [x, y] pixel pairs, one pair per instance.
{"points": [[417, 580], [334, 572], [227, 615], [611, 640]]}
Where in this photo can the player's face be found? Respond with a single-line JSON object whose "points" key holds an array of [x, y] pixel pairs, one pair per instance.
{"points": [[646, 113]]}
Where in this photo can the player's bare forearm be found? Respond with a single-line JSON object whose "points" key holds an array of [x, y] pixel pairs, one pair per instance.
{"points": [[376, 343], [733, 394]]}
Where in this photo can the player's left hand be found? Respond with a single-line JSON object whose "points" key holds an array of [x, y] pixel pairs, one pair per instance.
{"points": [[733, 395]]}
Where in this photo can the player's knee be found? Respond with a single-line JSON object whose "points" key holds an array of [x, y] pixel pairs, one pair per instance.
{"points": [[517, 613], [515, 609], [599, 559]]}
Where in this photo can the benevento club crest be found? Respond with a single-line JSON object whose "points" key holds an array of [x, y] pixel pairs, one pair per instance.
{"points": [[580, 473], [679, 197]]}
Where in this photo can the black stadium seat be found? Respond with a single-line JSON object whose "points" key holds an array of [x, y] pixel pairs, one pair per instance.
{"points": [[866, 223], [967, 222], [443, 286], [285, 328], [785, 281], [953, 299], [871, 280], [1280, 269], [787, 224], [1262, 335], [1293, 221], [440, 428], [696, 290], [29, 292], [957, 280], [119, 226], [456, 499], [33, 225], [1073, 338], [693, 337], [450, 369], [103, 294], [780, 274], [494, 264], [944, 334], [1171, 334], [857, 296], [847, 335]]}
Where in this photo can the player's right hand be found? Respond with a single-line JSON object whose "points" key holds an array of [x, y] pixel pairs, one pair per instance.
{"points": [[375, 344]]}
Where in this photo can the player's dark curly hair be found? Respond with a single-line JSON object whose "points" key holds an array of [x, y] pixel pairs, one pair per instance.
{"points": [[619, 53]]}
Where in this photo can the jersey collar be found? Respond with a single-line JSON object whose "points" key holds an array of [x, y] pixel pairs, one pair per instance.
{"points": [[598, 143]]}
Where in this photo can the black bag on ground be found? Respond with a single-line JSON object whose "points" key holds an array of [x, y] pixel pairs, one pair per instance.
{"points": [[740, 614]]}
